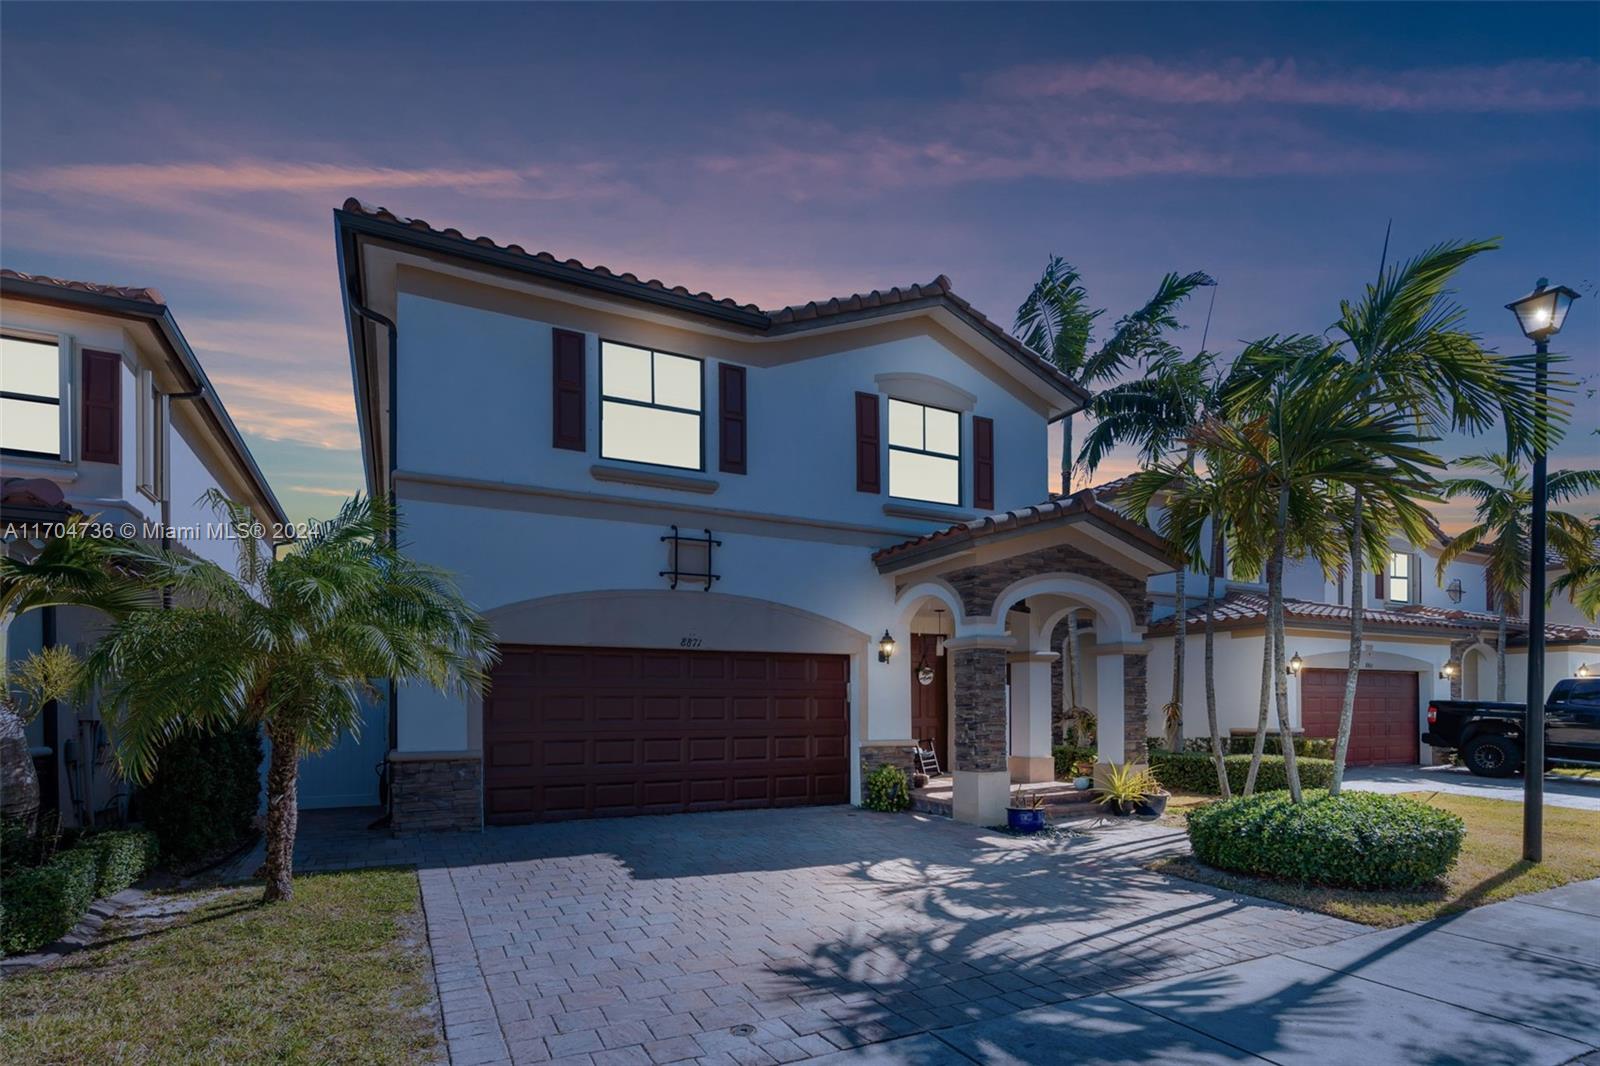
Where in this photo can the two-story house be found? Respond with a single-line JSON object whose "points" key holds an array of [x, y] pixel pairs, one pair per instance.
{"points": [[1426, 635], [732, 556], [105, 412]]}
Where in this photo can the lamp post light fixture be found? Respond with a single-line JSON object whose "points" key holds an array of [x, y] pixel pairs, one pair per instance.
{"points": [[1296, 664], [885, 647], [1540, 315]]}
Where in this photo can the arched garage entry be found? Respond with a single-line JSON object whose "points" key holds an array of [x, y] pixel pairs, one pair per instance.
{"points": [[608, 704]]}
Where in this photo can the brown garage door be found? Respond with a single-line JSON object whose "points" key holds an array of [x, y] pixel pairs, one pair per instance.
{"points": [[601, 732], [1385, 728]]}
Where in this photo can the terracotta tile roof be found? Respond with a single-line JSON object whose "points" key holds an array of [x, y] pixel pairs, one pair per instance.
{"points": [[814, 314], [956, 537], [122, 292], [1245, 608]]}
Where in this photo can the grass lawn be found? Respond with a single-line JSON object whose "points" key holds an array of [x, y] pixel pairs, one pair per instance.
{"points": [[1577, 773], [1490, 868], [338, 975]]}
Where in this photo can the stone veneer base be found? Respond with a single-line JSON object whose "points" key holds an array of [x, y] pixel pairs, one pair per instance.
{"points": [[433, 790]]}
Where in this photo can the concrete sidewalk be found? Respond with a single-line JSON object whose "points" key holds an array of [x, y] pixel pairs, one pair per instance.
{"points": [[1558, 791], [1514, 983]]}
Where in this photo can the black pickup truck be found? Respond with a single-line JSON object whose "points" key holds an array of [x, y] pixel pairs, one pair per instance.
{"points": [[1489, 735]]}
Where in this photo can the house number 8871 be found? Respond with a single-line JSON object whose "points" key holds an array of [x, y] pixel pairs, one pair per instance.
{"points": [[689, 642]]}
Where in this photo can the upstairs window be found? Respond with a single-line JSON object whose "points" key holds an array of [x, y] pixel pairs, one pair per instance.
{"points": [[650, 407], [30, 396], [924, 453], [1401, 580], [152, 437]]}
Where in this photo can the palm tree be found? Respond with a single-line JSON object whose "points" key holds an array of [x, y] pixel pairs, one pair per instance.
{"points": [[1155, 414], [1195, 501], [1581, 582], [1299, 436], [1056, 321], [75, 568], [1406, 334], [290, 644], [1503, 511]]}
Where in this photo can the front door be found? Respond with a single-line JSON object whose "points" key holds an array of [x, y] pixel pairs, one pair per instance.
{"points": [[930, 715]]}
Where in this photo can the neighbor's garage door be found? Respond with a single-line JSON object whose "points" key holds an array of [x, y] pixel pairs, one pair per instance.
{"points": [[600, 732], [1385, 729]]}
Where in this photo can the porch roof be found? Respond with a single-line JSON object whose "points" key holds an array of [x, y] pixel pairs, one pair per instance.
{"points": [[1059, 510]]}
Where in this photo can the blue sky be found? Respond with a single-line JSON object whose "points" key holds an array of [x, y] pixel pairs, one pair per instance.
{"points": [[780, 153]]}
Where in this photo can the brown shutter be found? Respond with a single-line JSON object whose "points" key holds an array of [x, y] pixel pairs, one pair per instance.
{"points": [[567, 391], [731, 420], [983, 463], [868, 478], [1377, 585], [102, 407]]}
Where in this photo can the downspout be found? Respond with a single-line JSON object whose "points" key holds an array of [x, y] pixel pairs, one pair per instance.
{"points": [[392, 425]]}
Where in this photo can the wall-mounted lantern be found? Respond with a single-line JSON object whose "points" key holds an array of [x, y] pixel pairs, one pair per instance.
{"points": [[1296, 665], [885, 647], [1583, 670], [1449, 670]]}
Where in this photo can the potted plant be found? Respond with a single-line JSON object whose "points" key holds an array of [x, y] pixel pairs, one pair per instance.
{"points": [[1025, 813], [1083, 776], [1153, 804], [1126, 789]]}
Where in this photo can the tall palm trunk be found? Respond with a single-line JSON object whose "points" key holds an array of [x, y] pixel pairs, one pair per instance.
{"points": [[1275, 625], [283, 815], [1347, 708], [1211, 665], [1180, 645], [19, 783], [1500, 655], [1268, 654]]}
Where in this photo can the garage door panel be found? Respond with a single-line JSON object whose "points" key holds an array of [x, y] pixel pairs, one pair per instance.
{"points": [[1385, 728], [616, 731]]}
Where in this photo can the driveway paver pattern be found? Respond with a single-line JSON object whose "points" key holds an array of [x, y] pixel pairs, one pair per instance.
{"points": [[780, 935]]}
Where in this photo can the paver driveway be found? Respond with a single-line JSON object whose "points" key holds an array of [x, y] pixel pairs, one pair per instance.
{"points": [[774, 936]]}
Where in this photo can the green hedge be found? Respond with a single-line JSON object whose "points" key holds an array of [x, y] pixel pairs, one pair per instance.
{"points": [[205, 795], [42, 904], [1193, 772], [1353, 840], [1312, 747], [1068, 755]]}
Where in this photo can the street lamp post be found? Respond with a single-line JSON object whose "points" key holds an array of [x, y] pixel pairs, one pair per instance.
{"points": [[1540, 314]]}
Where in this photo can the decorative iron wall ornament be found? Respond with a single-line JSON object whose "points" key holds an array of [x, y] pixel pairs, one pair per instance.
{"points": [[689, 558], [1454, 590]]}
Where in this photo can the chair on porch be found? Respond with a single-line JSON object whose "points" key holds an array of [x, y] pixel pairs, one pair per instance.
{"points": [[927, 758]]}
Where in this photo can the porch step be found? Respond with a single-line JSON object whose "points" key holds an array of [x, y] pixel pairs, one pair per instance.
{"points": [[1061, 799]]}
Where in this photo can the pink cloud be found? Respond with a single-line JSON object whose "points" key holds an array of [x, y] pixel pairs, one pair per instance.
{"points": [[1518, 86]]}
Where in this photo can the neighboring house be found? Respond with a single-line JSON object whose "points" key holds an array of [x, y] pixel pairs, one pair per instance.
{"points": [[108, 415], [692, 523], [1424, 638]]}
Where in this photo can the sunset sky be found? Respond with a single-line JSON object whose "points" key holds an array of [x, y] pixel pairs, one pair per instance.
{"points": [[777, 154]]}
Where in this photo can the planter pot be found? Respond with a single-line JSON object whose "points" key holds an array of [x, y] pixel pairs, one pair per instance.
{"points": [[919, 780], [1153, 806], [1025, 819], [1121, 808], [1083, 784]]}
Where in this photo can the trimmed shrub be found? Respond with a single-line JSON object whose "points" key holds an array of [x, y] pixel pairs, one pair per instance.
{"points": [[1353, 840], [1193, 772], [124, 856], [205, 794], [1306, 747], [1069, 755], [42, 905], [886, 789]]}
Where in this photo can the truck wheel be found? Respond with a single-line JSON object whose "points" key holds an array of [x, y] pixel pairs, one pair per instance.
{"points": [[1492, 755]]}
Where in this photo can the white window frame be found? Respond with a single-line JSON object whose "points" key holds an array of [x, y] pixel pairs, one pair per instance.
{"points": [[700, 415], [959, 456], [66, 363], [1410, 578], [152, 408]]}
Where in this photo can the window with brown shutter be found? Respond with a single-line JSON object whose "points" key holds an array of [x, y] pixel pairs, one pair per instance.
{"points": [[868, 476], [567, 391], [1377, 585], [102, 407], [731, 419], [983, 463]]}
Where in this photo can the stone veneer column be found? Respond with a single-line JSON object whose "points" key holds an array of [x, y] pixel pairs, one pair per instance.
{"points": [[435, 790], [982, 780], [1122, 710]]}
